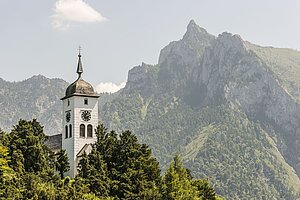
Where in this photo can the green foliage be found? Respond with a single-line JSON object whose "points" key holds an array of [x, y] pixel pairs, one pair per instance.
{"points": [[62, 162], [8, 189], [5, 171], [117, 112], [127, 167], [240, 156], [205, 191], [27, 146], [93, 172], [244, 161], [177, 183], [118, 167]]}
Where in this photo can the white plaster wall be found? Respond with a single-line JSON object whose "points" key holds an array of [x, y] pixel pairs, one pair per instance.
{"points": [[74, 144], [68, 143]]}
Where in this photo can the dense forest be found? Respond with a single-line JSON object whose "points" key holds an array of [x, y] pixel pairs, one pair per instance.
{"points": [[219, 142], [119, 167]]}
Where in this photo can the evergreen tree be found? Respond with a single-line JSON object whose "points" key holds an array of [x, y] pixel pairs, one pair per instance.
{"points": [[27, 138], [62, 163], [121, 162], [5, 171], [177, 183], [92, 170], [8, 189], [118, 167], [3, 138], [205, 191], [83, 166]]}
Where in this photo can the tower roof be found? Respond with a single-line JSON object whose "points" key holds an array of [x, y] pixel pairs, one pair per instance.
{"points": [[79, 66], [80, 87]]}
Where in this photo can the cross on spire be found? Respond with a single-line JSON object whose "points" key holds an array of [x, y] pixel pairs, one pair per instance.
{"points": [[79, 50]]}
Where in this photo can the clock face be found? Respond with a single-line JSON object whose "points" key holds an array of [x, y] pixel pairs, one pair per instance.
{"points": [[86, 115], [68, 116]]}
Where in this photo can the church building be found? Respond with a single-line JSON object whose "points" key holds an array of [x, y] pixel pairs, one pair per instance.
{"points": [[80, 119]]}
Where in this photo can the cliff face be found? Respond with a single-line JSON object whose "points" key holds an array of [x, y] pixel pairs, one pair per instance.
{"points": [[142, 79], [229, 71], [206, 70], [205, 88]]}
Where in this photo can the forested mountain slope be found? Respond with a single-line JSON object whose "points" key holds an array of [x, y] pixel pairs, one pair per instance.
{"points": [[36, 97], [224, 107]]}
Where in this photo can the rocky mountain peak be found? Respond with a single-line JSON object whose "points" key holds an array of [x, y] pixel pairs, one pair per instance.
{"points": [[191, 46], [230, 41], [193, 30], [142, 78]]}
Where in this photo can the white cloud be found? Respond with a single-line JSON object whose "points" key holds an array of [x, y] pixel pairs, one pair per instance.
{"points": [[109, 87], [68, 11]]}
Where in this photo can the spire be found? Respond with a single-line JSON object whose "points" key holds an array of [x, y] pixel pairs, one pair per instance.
{"points": [[79, 66]]}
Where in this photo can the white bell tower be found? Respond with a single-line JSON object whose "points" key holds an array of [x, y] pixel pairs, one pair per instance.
{"points": [[80, 119]]}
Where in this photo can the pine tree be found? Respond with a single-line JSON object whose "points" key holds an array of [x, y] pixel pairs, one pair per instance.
{"points": [[92, 170], [83, 166], [177, 183], [3, 137], [5, 171], [62, 163], [27, 138], [121, 165], [205, 191]]}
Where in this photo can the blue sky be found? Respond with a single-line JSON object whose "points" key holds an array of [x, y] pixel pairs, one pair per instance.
{"points": [[42, 37]]}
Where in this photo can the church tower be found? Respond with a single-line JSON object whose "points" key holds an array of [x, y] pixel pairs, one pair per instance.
{"points": [[80, 118]]}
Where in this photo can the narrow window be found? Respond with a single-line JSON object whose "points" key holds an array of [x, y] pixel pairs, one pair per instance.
{"points": [[70, 130], [86, 102], [66, 131], [89, 130], [82, 130], [68, 102]]}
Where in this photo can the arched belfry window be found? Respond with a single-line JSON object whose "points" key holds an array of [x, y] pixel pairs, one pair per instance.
{"points": [[89, 130], [82, 130], [70, 130], [66, 131], [86, 101]]}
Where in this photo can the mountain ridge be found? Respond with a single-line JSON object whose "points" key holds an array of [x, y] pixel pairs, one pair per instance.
{"points": [[226, 72], [35, 97]]}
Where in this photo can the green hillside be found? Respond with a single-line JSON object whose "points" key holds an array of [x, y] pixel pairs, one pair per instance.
{"points": [[36, 97], [219, 143]]}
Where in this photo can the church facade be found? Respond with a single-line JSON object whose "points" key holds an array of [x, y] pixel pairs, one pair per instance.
{"points": [[80, 119]]}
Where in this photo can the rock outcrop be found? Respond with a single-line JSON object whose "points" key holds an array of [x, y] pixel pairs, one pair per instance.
{"points": [[204, 70], [228, 71]]}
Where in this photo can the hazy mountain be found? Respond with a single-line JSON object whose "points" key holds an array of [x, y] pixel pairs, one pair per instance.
{"points": [[36, 97], [227, 106]]}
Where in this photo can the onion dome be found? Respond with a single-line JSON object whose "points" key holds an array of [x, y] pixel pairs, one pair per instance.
{"points": [[80, 87]]}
